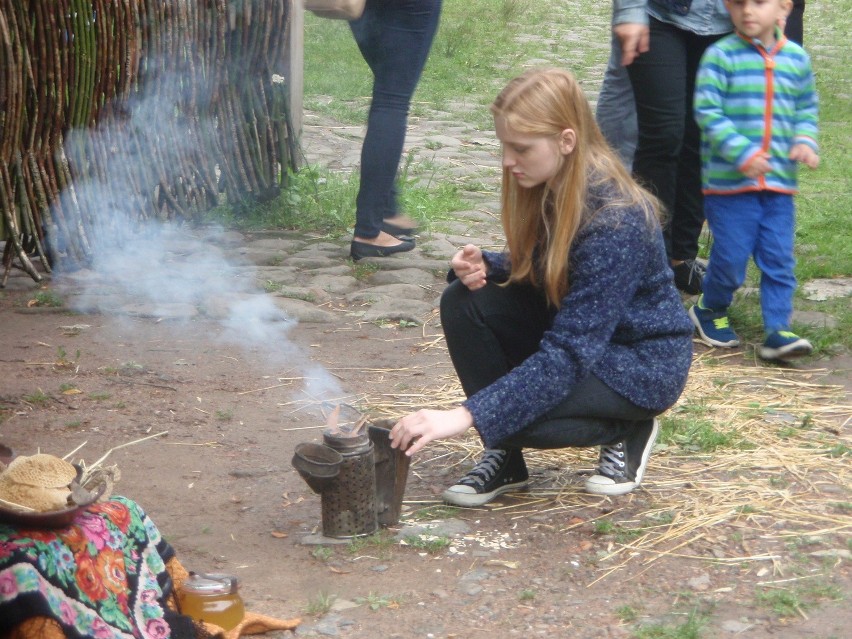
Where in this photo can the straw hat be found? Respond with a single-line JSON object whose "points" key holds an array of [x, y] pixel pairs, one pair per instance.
{"points": [[38, 482]]}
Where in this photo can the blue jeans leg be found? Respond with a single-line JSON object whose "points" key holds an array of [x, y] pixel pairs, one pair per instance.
{"points": [[774, 256], [616, 110], [734, 221], [395, 37], [761, 225]]}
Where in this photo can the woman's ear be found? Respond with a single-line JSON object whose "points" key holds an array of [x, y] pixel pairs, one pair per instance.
{"points": [[567, 141]]}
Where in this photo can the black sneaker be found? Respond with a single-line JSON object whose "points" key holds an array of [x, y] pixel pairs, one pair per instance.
{"points": [[689, 276], [497, 472], [621, 466]]}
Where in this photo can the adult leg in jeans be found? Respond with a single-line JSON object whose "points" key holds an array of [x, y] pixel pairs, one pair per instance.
{"points": [[394, 37], [616, 111], [663, 162]]}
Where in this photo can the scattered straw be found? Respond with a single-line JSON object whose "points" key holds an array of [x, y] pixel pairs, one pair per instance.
{"points": [[780, 471]]}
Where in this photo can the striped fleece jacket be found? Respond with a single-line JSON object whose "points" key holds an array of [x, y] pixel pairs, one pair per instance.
{"points": [[750, 101]]}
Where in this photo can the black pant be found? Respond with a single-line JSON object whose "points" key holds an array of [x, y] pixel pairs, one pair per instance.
{"points": [[795, 27], [667, 159], [492, 330]]}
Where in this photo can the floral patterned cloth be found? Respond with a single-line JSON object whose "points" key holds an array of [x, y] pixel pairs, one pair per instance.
{"points": [[103, 576]]}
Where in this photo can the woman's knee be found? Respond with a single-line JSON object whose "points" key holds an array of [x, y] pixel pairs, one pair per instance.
{"points": [[454, 302]]}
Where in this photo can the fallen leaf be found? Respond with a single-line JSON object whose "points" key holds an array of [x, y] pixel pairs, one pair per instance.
{"points": [[278, 535], [71, 391]]}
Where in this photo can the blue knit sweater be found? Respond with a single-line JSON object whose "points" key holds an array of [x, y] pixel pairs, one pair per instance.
{"points": [[622, 320]]}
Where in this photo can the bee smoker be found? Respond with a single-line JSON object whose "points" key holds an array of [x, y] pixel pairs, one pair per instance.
{"points": [[359, 477]]}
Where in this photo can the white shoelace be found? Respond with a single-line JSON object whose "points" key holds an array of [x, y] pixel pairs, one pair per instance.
{"points": [[611, 462]]}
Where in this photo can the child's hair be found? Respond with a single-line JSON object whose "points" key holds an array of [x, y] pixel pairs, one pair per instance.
{"points": [[541, 222]]}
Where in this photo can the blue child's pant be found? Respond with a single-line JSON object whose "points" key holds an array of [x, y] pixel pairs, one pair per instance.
{"points": [[759, 224]]}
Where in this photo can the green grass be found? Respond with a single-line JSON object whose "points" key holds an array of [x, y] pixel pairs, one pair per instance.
{"points": [[793, 601], [39, 398], [375, 601], [432, 544], [48, 298], [526, 595], [479, 45], [320, 604], [380, 543], [689, 629], [692, 428]]}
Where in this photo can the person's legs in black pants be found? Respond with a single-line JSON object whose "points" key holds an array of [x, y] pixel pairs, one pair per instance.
{"points": [[794, 29], [592, 415], [667, 159], [492, 330], [689, 201], [659, 86]]}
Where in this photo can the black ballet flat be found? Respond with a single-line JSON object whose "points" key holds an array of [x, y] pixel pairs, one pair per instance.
{"points": [[360, 250], [399, 231]]}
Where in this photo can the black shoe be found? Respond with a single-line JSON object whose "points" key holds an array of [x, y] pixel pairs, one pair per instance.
{"points": [[399, 231], [689, 276], [621, 466], [359, 250], [497, 472]]}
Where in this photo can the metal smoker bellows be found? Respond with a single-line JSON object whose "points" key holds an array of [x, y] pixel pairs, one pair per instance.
{"points": [[359, 477]]}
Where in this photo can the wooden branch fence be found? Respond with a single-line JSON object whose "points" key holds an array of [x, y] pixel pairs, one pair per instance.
{"points": [[115, 112]]}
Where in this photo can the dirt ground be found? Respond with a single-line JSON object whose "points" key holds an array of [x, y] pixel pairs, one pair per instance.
{"points": [[220, 486]]}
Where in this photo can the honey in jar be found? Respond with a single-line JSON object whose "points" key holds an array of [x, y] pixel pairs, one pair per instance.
{"points": [[212, 598]]}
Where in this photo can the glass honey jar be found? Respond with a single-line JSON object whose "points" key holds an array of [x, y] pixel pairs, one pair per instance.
{"points": [[212, 598]]}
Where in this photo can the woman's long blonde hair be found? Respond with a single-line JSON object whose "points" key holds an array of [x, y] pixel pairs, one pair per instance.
{"points": [[541, 222]]}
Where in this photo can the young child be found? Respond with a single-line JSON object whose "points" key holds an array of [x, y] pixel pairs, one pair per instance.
{"points": [[757, 108]]}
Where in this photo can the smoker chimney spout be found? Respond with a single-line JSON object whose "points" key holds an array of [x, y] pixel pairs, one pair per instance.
{"points": [[318, 465]]}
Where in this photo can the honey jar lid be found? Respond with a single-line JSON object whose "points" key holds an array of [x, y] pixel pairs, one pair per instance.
{"points": [[210, 584]]}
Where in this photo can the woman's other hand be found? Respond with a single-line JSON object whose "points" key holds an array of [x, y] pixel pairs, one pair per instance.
{"points": [[635, 39], [470, 267], [415, 430]]}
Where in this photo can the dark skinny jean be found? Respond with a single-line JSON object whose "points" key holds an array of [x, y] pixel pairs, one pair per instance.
{"points": [[492, 330], [394, 37], [667, 159]]}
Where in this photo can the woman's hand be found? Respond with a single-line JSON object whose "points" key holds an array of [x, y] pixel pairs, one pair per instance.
{"points": [[634, 38], [470, 267], [415, 430]]}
